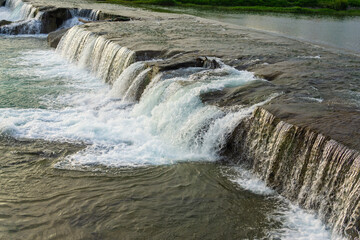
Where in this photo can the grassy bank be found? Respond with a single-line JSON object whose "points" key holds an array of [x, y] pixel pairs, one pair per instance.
{"points": [[321, 7]]}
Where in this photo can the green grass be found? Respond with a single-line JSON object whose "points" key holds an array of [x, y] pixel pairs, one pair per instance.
{"points": [[320, 7]]}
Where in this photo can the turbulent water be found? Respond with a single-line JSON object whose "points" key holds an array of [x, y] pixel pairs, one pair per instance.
{"points": [[136, 158], [57, 117], [26, 19]]}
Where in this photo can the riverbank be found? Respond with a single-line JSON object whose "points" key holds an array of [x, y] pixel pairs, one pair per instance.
{"points": [[326, 8]]}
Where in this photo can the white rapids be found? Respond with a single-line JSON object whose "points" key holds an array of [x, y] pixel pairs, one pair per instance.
{"points": [[168, 124]]}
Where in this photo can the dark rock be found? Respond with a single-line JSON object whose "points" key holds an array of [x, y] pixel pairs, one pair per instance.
{"points": [[4, 22], [184, 60], [113, 18], [268, 75], [55, 37], [2, 2], [209, 63], [53, 18], [84, 21]]}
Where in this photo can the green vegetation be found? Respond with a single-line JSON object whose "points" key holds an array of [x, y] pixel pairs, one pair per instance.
{"points": [[324, 7]]}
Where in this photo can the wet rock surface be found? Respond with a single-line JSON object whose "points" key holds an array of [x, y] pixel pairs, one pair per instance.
{"points": [[4, 22], [55, 37]]}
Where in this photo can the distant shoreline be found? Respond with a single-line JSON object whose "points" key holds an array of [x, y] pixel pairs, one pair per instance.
{"points": [[352, 10]]}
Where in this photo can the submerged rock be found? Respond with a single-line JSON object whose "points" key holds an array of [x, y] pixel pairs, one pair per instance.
{"points": [[54, 38]]}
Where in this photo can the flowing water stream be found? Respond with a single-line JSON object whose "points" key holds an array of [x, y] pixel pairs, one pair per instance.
{"points": [[82, 160]]}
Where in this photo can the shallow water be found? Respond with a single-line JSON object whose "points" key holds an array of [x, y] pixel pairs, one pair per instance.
{"points": [[77, 163], [339, 32]]}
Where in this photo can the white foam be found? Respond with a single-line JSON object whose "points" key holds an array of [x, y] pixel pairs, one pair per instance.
{"points": [[319, 100], [310, 57], [73, 22], [168, 125], [7, 127], [249, 182], [298, 224], [41, 36]]}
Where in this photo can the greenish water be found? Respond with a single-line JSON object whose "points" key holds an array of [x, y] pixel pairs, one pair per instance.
{"points": [[65, 175]]}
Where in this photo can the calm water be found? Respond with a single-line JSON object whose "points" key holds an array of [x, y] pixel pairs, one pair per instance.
{"points": [[338, 32]]}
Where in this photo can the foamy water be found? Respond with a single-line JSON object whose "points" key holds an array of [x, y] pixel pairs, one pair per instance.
{"points": [[169, 124], [163, 128], [298, 224]]}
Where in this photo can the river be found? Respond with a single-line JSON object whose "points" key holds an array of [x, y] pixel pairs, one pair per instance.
{"points": [[79, 162], [342, 33]]}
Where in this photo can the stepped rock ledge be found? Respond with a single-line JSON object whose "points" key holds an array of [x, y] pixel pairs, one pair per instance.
{"points": [[304, 143]]}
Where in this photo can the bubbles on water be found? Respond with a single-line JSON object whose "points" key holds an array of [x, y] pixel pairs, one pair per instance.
{"points": [[8, 128], [169, 124], [249, 182], [297, 223]]}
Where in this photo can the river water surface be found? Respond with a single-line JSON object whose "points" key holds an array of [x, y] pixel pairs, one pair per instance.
{"points": [[78, 163], [329, 31]]}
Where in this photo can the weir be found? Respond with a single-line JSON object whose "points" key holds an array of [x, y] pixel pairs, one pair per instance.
{"points": [[21, 10], [27, 19], [304, 166], [105, 59], [308, 168], [200, 108]]}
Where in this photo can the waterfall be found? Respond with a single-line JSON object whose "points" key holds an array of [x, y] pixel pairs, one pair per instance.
{"points": [[306, 167], [103, 57], [172, 104], [169, 100], [90, 14], [32, 26], [21, 10], [124, 81], [137, 86], [26, 18]]}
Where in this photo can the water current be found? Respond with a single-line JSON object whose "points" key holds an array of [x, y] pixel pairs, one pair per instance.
{"points": [[82, 160]]}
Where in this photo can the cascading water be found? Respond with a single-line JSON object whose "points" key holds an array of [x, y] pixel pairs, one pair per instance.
{"points": [[20, 10], [304, 166], [90, 14], [25, 18], [103, 57], [177, 125], [144, 120]]}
